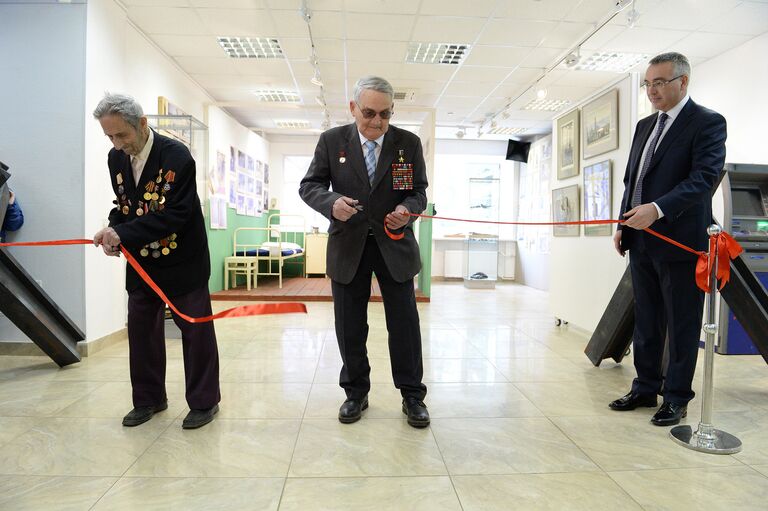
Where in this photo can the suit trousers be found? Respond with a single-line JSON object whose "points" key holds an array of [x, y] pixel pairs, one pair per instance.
{"points": [[667, 300], [350, 302], [146, 339]]}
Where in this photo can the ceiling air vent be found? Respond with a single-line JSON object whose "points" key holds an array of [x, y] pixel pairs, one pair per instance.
{"points": [[436, 53], [288, 124], [506, 131], [277, 96], [251, 47], [406, 96]]}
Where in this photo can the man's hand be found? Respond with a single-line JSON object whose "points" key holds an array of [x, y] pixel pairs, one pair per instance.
{"points": [[109, 241], [11, 197], [641, 216], [617, 243], [397, 219], [344, 208]]}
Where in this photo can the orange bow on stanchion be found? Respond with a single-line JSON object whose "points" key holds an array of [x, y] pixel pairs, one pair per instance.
{"points": [[723, 248], [234, 312]]}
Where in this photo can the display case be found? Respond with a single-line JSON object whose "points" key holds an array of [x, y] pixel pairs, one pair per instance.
{"points": [[481, 261]]}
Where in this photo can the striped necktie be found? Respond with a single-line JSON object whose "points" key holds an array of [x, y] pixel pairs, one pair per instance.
{"points": [[370, 159], [637, 195]]}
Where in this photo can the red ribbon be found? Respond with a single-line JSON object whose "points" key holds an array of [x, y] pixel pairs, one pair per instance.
{"points": [[235, 312], [723, 245]]}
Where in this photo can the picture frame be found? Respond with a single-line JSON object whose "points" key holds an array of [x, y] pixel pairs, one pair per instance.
{"points": [[165, 107], [600, 125], [597, 198], [568, 156], [565, 208]]}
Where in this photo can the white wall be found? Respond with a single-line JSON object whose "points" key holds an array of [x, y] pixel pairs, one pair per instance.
{"points": [[586, 270], [734, 84], [41, 138]]}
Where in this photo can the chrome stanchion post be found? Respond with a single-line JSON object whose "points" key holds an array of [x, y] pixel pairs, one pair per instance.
{"points": [[706, 438]]}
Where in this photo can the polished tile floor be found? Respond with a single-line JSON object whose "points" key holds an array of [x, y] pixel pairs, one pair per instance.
{"points": [[519, 421]]}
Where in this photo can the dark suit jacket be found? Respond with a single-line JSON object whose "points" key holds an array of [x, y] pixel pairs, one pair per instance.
{"points": [[169, 238], [346, 240], [683, 171]]}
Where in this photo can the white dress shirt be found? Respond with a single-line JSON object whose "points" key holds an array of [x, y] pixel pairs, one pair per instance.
{"points": [[138, 161]]}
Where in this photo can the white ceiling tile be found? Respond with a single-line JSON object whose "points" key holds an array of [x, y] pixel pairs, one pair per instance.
{"points": [[602, 37], [475, 8], [543, 57], [314, 5], [525, 75], [552, 10], [566, 35], [443, 29], [645, 40], [382, 7], [230, 4], [470, 89], [189, 45], [207, 65], [386, 70], [708, 45], [426, 71], [377, 51], [594, 79], [263, 67], [387, 27], [329, 49], [249, 83], [515, 32], [747, 18], [507, 56], [157, 3], [482, 73], [238, 22], [303, 68], [167, 20], [328, 69], [325, 24], [456, 103], [230, 94], [682, 14]]}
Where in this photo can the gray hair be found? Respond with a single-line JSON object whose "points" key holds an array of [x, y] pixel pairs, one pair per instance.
{"points": [[120, 104], [679, 61], [376, 83]]}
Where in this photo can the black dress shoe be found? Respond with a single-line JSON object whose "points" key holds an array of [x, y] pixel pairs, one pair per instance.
{"points": [[352, 409], [197, 418], [669, 414], [632, 401], [417, 413], [141, 414]]}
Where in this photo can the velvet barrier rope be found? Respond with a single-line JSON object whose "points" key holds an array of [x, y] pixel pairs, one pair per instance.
{"points": [[235, 312], [722, 247]]}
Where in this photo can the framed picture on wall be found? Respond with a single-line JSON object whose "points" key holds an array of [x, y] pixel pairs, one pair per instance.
{"points": [[597, 198], [568, 145], [565, 208], [599, 126]]}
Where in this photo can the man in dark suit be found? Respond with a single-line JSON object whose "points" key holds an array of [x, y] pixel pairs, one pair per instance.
{"points": [[378, 176], [675, 159], [157, 218]]}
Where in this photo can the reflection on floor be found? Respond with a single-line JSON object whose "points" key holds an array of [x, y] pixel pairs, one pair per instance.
{"points": [[315, 289], [519, 421]]}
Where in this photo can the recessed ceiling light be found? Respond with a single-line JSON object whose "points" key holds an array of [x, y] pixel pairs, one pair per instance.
{"points": [[292, 124], [277, 96], [550, 105], [436, 53], [617, 62], [251, 47]]}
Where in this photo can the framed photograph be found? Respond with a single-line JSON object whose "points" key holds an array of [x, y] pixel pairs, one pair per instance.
{"points": [[597, 198], [165, 107], [565, 208], [568, 145], [599, 127]]}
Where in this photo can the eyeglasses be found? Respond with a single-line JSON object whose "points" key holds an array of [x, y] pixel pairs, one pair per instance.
{"points": [[657, 84], [370, 114]]}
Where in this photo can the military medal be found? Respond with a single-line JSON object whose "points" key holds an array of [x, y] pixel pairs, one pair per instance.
{"points": [[155, 196], [120, 189], [147, 196], [125, 210], [166, 250], [402, 175], [155, 254], [401, 159], [173, 244], [342, 157], [144, 252], [119, 179]]}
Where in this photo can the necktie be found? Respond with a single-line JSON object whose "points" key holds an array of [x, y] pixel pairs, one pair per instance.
{"points": [[637, 195], [370, 159]]}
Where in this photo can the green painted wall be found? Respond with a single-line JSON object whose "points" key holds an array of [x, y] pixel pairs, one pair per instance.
{"points": [[425, 248], [220, 242]]}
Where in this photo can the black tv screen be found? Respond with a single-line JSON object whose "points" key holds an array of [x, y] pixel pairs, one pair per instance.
{"points": [[518, 151]]}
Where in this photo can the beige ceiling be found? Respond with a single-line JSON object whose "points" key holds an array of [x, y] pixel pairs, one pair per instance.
{"points": [[512, 43]]}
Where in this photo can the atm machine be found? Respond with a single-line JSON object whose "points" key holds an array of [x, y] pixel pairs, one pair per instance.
{"points": [[745, 201]]}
